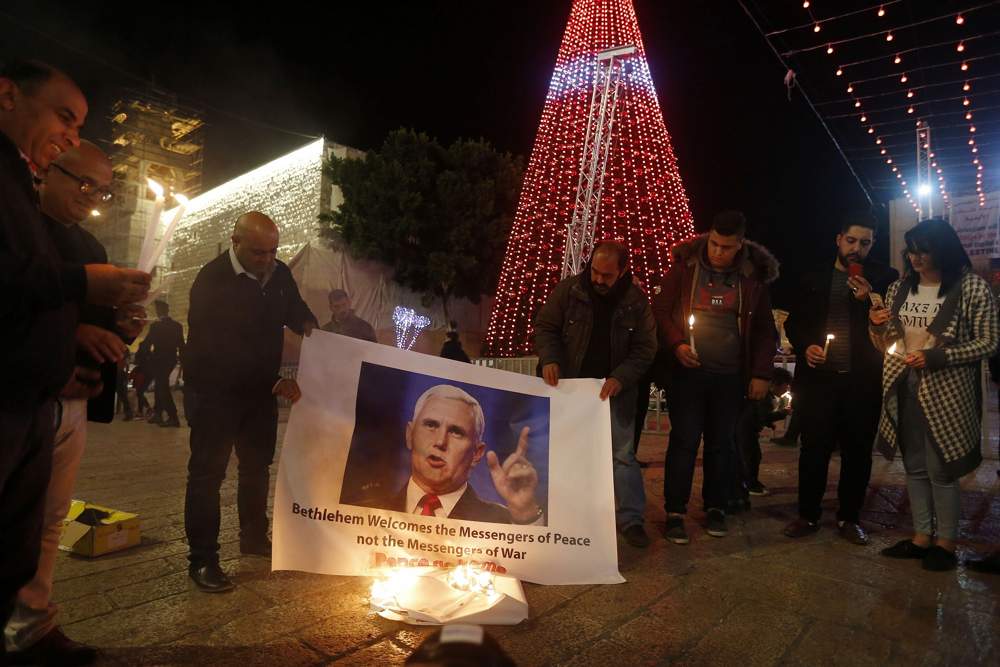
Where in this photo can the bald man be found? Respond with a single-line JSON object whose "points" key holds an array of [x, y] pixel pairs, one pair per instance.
{"points": [[41, 112], [241, 302], [77, 182]]}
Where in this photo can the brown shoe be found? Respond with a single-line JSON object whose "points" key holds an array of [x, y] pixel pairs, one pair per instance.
{"points": [[54, 648], [800, 528], [853, 533]]}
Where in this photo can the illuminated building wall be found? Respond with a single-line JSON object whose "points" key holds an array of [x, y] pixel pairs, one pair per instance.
{"points": [[643, 201], [292, 190]]}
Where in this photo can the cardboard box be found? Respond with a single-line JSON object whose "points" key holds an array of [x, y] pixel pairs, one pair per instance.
{"points": [[118, 530]]}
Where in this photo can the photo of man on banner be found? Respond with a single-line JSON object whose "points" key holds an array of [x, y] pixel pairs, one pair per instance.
{"points": [[438, 460]]}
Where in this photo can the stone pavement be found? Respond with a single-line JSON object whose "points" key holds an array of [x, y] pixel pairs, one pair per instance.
{"points": [[752, 598]]}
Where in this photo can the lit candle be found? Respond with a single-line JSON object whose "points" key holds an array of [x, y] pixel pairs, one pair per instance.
{"points": [[151, 228], [826, 348], [165, 239], [691, 334], [892, 352], [788, 398]]}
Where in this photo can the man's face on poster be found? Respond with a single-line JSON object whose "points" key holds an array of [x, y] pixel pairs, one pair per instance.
{"points": [[443, 444]]}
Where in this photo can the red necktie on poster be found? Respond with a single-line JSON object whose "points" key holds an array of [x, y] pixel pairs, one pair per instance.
{"points": [[428, 504]]}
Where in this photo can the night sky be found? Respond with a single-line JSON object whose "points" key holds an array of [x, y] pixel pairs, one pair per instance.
{"points": [[355, 71]]}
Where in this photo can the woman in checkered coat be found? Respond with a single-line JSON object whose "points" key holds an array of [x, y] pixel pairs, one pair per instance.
{"points": [[938, 326]]}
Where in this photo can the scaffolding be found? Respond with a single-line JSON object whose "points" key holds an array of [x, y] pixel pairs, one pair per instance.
{"points": [[152, 136], [594, 158]]}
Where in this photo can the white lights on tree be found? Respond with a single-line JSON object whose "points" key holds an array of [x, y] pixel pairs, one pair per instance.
{"points": [[408, 326], [923, 189]]}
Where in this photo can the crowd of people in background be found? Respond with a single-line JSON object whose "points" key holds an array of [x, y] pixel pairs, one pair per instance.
{"points": [[882, 360]]}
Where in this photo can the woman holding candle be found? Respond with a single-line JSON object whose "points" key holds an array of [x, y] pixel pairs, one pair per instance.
{"points": [[943, 317]]}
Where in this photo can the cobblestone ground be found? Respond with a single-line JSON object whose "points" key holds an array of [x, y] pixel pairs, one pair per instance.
{"points": [[752, 598]]}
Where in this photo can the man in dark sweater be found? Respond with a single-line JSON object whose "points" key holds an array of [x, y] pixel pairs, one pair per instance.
{"points": [[837, 392], [77, 182], [343, 321], [164, 344], [240, 304], [41, 112], [598, 324]]}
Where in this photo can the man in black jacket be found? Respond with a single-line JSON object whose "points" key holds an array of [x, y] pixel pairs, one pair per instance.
{"points": [[241, 302], [598, 324], [837, 391], [41, 112], [164, 344], [77, 182]]}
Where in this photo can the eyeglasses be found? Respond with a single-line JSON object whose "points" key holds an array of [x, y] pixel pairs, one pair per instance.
{"points": [[88, 187]]}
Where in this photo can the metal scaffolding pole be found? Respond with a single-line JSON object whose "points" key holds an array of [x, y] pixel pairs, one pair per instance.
{"points": [[594, 158]]}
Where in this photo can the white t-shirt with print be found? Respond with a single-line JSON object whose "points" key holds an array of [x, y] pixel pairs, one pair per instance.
{"points": [[917, 313]]}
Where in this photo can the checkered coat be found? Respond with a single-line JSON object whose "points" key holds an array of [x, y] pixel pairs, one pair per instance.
{"points": [[966, 333]]}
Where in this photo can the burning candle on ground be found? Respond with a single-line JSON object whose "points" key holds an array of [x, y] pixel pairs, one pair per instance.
{"points": [[691, 334], [829, 339], [154, 224]]}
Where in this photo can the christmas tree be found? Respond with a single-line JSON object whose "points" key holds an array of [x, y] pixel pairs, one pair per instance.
{"points": [[643, 202]]}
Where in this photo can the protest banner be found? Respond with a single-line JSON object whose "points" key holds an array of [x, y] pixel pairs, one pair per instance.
{"points": [[395, 458]]}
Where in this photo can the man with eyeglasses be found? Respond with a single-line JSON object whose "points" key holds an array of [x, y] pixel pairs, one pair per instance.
{"points": [[77, 182], [41, 112], [837, 388]]}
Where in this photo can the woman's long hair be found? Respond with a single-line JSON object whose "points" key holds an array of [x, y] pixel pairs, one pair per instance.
{"points": [[938, 239]]}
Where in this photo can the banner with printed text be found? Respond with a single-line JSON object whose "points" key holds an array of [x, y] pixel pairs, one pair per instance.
{"points": [[977, 225], [395, 458]]}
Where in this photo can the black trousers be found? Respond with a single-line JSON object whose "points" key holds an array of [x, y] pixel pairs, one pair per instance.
{"points": [[747, 449], [837, 410], [219, 423], [25, 465], [701, 404], [141, 402], [163, 398]]}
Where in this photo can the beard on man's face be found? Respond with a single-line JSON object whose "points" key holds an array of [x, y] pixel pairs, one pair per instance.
{"points": [[851, 258]]}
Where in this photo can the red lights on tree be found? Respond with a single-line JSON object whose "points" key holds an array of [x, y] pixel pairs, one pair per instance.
{"points": [[643, 201]]}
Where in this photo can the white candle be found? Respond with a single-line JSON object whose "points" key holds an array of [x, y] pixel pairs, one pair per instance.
{"points": [[788, 398], [165, 239], [151, 228], [826, 348], [892, 352], [691, 334]]}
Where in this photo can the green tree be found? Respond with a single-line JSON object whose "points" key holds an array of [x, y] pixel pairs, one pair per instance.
{"points": [[440, 217]]}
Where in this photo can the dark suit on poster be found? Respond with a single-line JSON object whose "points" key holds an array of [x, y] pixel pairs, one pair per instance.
{"points": [[470, 507]]}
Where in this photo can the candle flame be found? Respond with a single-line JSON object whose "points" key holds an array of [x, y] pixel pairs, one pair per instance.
{"points": [[181, 199], [387, 588], [691, 320], [830, 336], [892, 349], [155, 187], [94, 213]]}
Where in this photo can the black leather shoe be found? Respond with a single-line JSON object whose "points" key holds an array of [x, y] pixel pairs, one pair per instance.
{"points": [[990, 564], [905, 549], [211, 579], [800, 528], [170, 423], [54, 648], [636, 536], [256, 547]]}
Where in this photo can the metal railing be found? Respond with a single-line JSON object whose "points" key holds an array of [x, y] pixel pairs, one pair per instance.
{"points": [[521, 365]]}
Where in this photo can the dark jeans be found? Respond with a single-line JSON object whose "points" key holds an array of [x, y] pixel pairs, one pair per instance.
{"points": [[121, 390], [700, 403], [141, 403], [641, 409], [837, 409], [25, 464], [747, 449], [219, 423], [164, 399]]}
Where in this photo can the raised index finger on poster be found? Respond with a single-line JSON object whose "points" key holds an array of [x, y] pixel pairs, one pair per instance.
{"points": [[384, 464]]}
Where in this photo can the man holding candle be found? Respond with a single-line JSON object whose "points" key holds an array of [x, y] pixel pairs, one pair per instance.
{"points": [[837, 377], [713, 315], [77, 182], [598, 324], [240, 304], [41, 112]]}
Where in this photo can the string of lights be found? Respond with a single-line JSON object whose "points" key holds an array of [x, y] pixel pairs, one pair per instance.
{"points": [[914, 89], [806, 4], [889, 34]]}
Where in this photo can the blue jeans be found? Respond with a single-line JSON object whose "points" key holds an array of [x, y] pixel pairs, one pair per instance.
{"points": [[701, 403], [630, 494], [935, 498]]}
